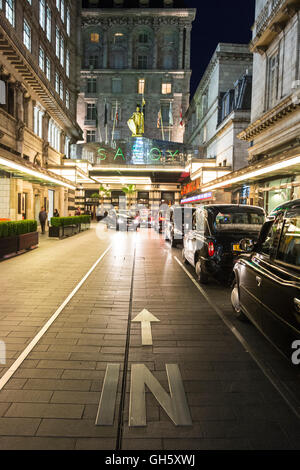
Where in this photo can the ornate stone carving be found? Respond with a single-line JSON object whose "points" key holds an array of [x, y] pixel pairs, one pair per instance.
{"points": [[129, 21], [45, 152], [37, 160], [20, 127]]}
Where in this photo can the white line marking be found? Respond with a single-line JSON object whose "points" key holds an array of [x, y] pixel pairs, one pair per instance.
{"points": [[288, 397], [5, 378]]}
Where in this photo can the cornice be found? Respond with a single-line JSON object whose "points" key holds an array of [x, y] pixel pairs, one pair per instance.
{"points": [[270, 118]]}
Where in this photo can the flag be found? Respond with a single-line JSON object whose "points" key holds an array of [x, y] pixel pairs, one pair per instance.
{"points": [[171, 115], [158, 119], [181, 118]]}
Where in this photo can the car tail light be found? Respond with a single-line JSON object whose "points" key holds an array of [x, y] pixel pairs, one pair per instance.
{"points": [[211, 249], [161, 219]]}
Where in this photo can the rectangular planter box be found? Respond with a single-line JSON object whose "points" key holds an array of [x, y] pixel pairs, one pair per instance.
{"points": [[8, 245], [27, 240], [55, 232]]}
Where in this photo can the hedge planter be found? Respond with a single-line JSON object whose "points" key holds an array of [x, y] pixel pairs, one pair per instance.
{"points": [[28, 240], [17, 236], [62, 227], [8, 246]]}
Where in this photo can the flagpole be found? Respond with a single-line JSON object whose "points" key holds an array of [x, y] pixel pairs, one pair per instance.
{"points": [[115, 117], [105, 122], [162, 126], [98, 124]]}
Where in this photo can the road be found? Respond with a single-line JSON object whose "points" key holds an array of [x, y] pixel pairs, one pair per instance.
{"points": [[212, 381]]}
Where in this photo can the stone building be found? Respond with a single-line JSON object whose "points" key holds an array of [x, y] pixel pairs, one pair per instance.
{"points": [[134, 51], [38, 93], [273, 173], [218, 112]]}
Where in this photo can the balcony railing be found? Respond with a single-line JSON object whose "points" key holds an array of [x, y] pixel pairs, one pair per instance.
{"points": [[268, 12]]}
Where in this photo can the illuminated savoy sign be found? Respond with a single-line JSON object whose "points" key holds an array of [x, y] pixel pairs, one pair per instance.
{"points": [[197, 198], [139, 151]]}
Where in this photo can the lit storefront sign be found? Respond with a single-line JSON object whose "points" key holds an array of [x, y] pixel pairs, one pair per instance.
{"points": [[197, 198]]}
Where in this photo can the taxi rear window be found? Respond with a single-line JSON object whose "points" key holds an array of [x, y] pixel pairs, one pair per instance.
{"points": [[289, 246], [228, 221]]}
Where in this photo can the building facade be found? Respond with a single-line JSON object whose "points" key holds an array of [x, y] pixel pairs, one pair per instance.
{"points": [[133, 53], [272, 175], [218, 112], [38, 94]]}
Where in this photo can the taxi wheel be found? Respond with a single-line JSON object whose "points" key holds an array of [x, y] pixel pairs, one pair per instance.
{"points": [[184, 260], [173, 242], [201, 276], [235, 302]]}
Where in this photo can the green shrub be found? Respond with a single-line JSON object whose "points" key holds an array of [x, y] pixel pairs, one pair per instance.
{"points": [[20, 227], [75, 220]]}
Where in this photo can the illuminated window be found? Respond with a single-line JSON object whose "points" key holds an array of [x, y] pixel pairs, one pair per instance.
{"points": [[68, 22], [166, 88], [141, 86], [68, 63], [56, 82], [94, 37]]}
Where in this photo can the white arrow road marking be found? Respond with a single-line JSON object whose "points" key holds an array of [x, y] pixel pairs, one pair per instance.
{"points": [[146, 318]]}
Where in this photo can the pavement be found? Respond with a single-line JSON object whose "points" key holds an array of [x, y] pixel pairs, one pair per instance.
{"points": [[52, 398]]}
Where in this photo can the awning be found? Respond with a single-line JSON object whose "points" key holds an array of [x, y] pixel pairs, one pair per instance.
{"points": [[22, 169]]}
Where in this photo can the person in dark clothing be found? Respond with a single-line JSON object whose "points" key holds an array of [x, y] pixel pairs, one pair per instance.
{"points": [[43, 218], [55, 213]]}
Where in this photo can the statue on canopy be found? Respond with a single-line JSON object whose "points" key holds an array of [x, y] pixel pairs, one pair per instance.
{"points": [[136, 122]]}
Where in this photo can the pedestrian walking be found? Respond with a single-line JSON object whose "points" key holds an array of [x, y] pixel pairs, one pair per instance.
{"points": [[43, 217]]}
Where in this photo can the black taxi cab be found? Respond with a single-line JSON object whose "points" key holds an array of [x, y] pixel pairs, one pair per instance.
{"points": [[213, 243], [266, 286]]}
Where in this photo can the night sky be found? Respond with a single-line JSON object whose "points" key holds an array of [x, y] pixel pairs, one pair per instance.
{"points": [[217, 21]]}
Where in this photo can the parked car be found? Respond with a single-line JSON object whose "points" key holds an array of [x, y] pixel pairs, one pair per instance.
{"points": [[267, 279], [122, 220], [178, 222], [213, 243]]}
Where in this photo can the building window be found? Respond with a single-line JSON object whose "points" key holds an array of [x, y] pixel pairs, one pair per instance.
{"points": [[116, 112], [42, 58], [54, 135], [62, 10], [141, 86], [165, 113], [92, 85], [27, 35], [61, 89], [62, 51], [143, 38], [91, 136], [56, 82], [116, 85], [38, 121], [58, 4], [142, 62], [68, 99], [10, 11], [91, 112], [94, 37], [93, 61], [273, 79], [68, 63], [166, 88], [42, 13], [48, 23], [48, 68], [57, 41], [68, 22]]}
